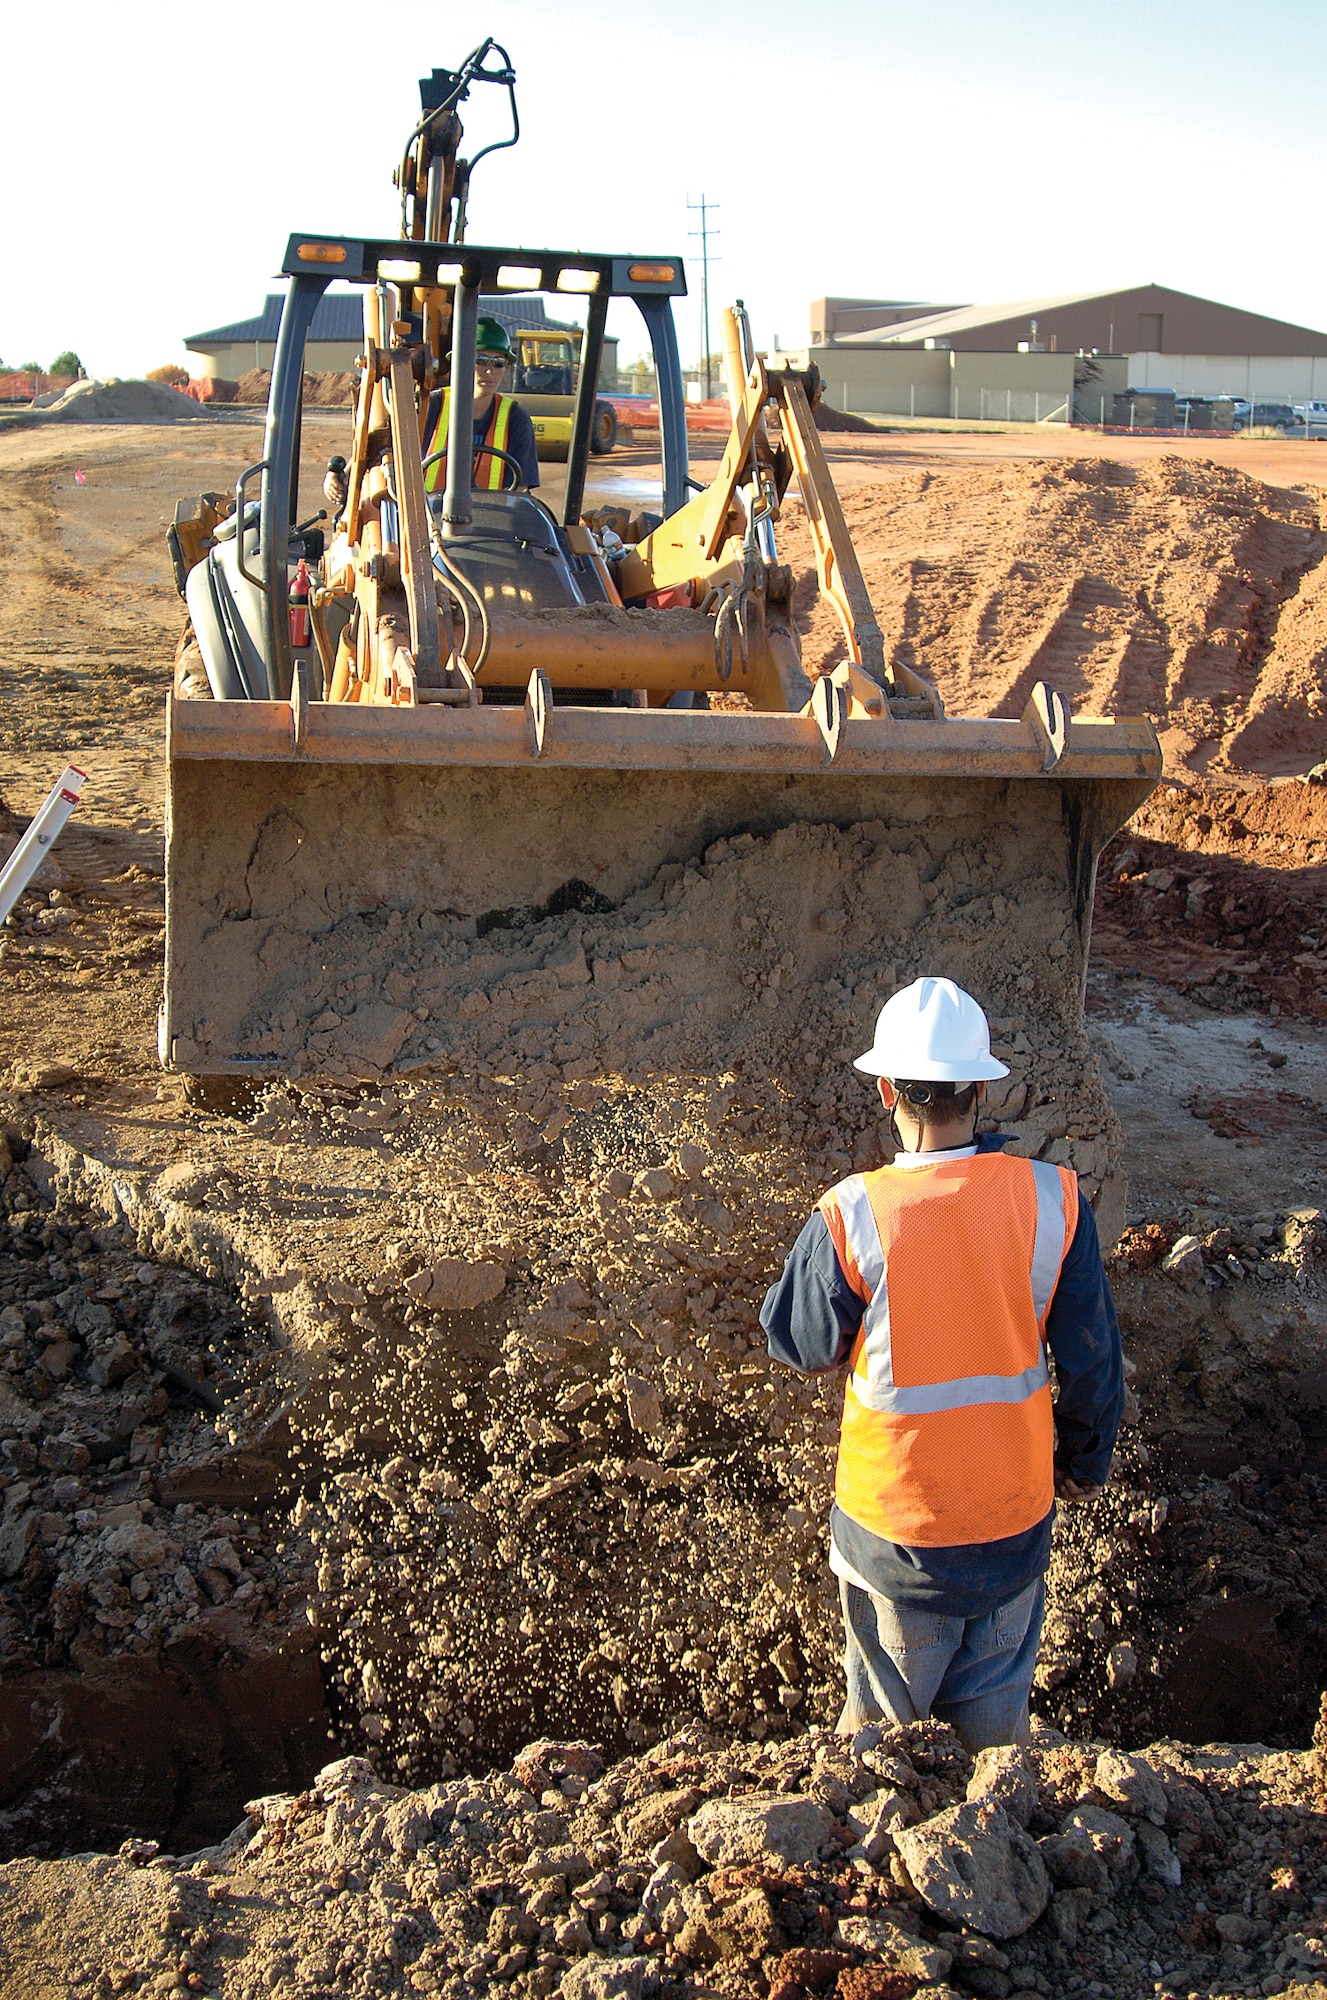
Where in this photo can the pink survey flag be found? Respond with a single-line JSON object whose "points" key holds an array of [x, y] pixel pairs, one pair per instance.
{"points": [[80, 477]]}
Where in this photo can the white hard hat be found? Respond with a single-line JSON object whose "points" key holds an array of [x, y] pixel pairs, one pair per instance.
{"points": [[932, 1031]]}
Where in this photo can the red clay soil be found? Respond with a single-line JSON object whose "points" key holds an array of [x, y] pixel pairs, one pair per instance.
{"points": [[1222, 892], [329, 389], [1178, 589]]}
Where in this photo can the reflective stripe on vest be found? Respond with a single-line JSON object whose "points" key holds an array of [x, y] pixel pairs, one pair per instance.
{"points": [[488, 472], [947, 1426], [879, 1390]]}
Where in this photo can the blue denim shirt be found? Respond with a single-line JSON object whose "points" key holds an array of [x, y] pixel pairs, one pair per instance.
{"points": [[811, 1317]]}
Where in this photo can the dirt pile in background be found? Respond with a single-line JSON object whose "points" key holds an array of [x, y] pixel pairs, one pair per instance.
{"points": [[1176, 589], [1219, 890], [830, 419], [325, 389], [117, 402]]}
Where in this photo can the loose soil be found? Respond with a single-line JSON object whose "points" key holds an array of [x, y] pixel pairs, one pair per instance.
{"points": [[498, 1441]]}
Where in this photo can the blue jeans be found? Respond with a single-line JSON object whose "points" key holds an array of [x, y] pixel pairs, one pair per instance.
{"points": [[975, 1673]]}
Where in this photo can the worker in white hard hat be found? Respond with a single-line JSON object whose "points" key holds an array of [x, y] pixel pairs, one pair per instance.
{"points": [[940, 1282]]}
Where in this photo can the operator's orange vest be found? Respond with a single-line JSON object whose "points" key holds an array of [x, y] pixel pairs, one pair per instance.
{"points": [[488, 471], [947, 1432]]}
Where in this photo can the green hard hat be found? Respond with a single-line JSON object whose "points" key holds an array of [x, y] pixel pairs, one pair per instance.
{"points": [[491, 337]]}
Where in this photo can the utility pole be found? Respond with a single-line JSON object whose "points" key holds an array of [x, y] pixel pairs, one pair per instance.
{"points": [[706, 209]]}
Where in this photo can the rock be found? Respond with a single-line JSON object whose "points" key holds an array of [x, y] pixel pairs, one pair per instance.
{"points": [[656, 1817], [1121, 1665], [880, 1982], [744, 1927], [657, 1183], [1005, 1773], [113, 1362], [1160, 1860], [644, 1412], [33, 1074], [18, 1532], [569, 1862], [876, 1818], [182, 1183], [676, 1849], [572, 1934], [975, 1865], [1184, 1263], [663, 1888], [1111, 1836], [809, 1968], [882, 1938], [609, 1979], [1236, 1929], [1132, 1783], [454, 1284], [691, 1160], [1069, 1911], [59, 1357], [407, 1826], [760, 1827], [1072, 1862], [144, 1547]]}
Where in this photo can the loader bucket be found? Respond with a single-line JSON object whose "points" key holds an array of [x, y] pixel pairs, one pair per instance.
{"points": [[327, 864]]}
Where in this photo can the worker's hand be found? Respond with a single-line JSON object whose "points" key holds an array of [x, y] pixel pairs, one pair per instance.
{"points": [[1069, 1489]]}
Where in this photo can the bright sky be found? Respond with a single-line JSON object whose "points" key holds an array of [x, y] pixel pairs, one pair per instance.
{"points": [[156, 159]]}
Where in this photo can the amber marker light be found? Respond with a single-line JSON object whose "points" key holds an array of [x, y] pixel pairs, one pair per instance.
{"points": [[321, 253], [652, 274]]}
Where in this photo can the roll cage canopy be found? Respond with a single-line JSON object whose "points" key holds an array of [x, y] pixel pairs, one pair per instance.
{"points": [[312, 261], [359, 260]]}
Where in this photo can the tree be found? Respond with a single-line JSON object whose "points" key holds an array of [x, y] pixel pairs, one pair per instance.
{"points": [[67, 363], [170, 372], [32, 368]]}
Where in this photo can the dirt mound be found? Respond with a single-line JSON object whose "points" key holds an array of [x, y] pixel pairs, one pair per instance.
{"points": [[117, 402], [1176, 589], [329, 389], [1177, 1872], [1219, 890], [830, 419]]}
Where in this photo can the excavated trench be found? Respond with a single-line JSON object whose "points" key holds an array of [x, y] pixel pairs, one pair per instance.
{"points": [[427, 1415], [228, 1560]]}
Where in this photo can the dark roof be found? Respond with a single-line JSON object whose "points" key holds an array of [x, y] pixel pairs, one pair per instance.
{"points": [[340, 316]]}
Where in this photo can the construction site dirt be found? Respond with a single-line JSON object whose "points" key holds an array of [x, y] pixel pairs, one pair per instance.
{"points": [[417, 1409]]}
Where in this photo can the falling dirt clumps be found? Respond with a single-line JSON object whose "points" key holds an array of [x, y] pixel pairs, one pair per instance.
{"points": [[1175, 588], [766, 957], [555, 1471], [874, 1868]]}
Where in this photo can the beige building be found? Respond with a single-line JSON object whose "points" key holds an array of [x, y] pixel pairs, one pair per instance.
{"points": [[1046, 359]]}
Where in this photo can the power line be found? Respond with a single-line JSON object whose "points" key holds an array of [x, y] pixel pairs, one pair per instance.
{"points": [[705, 208]]}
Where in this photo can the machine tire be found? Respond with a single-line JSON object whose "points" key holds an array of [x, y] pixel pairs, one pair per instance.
{"points": [[603, 432], [190, 677]]}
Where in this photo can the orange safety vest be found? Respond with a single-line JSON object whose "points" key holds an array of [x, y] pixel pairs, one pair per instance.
{"points": [[947, 1434], [488, 472]]}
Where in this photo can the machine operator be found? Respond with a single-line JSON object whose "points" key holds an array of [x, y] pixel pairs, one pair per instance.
{"points": [[501, 425]]}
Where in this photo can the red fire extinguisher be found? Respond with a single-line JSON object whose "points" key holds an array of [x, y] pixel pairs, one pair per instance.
{"points": [[299, 606]]}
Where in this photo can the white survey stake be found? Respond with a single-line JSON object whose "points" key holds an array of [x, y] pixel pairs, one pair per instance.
{"points": [[36, 843]]}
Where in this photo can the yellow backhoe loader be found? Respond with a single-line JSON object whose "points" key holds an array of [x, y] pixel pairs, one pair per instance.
{"points": [[504, 704]]}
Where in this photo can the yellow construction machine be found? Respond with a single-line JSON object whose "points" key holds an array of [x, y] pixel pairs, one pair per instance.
{"points": [[501, 699]]}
